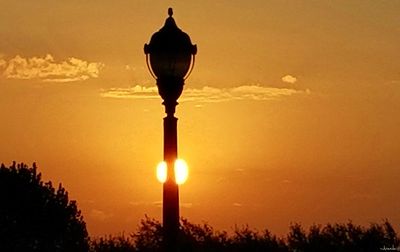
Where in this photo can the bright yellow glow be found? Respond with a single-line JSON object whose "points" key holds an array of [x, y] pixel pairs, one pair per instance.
{"points": [[162, 172], [181, 171]]}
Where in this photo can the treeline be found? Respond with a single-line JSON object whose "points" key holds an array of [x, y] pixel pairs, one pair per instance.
{"points": [[34, 216], [202, 237]]}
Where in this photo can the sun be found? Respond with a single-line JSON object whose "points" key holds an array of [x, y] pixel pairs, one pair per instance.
{"points": [[180, 168], [181, 171], [162, 172]]}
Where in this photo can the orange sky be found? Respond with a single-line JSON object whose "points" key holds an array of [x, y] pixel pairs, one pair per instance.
{"points": [[291, 112]]}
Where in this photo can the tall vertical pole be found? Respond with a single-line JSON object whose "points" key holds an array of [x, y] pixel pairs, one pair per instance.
{"points": [[170, 59], [170, 187]]}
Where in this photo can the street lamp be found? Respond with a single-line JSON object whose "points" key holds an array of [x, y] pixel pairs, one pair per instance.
{"points": [[170, 58]]}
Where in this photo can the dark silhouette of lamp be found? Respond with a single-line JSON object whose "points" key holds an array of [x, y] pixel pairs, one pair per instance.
{"points": [[170, 57]]}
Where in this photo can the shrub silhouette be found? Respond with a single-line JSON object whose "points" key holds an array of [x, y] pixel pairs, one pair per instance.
{"points": [[202, 237], [36, 217], [343, 237], [119, 243], [149, 235]]}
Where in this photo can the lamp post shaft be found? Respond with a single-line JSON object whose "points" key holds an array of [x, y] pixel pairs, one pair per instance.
{"points": [[170, 188]]}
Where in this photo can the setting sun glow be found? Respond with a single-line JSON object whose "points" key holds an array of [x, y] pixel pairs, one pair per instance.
{"points": [[162, 172], [181, 171]]}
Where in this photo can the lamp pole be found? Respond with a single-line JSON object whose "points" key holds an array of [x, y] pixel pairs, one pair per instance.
{"points": [[170, 187], [170, 59]]}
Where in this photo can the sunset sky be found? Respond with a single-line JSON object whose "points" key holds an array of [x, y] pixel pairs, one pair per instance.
{"points": [[291, 113]]}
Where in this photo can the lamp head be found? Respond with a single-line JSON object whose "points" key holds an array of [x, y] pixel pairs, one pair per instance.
{"points": [[171, 57]]}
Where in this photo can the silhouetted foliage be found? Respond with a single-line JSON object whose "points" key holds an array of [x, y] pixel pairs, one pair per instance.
{"points": [[149, 235], [245, 239], [36, 217], [343, 237], [202, 237], [120, 243]]}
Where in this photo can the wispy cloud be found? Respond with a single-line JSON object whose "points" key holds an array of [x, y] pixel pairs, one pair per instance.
{"points": [[49, 70], [186, 205], [205, 94], [100, 215], [289, 79], [237, 204], [136, 92], [158, 204]]}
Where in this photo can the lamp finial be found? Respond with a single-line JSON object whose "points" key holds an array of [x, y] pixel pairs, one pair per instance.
{"points": [[170, 12]]}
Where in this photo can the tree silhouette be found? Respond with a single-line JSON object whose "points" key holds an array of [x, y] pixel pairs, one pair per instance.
{"points": [[34, 216], [119, 243], [149, 236], [343, 237], [202, 237]]}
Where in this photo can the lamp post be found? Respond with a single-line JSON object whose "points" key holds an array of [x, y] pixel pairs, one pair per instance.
{"points": [[170, 59]]}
